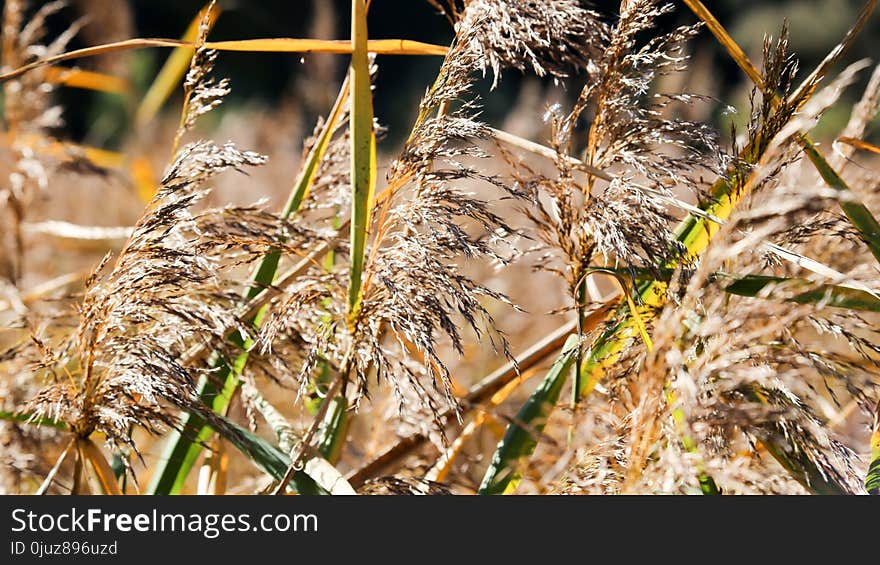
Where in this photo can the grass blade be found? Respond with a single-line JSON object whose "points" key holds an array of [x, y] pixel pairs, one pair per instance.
{"points": [[88, 80], [519, 441], [63, 150], [183, 447], [103, 471], [327, 477], [859, 144], [144, 179], [333, 429], [835, 296], [289, 45], [363, 151], [263, 454], [29, 419], [272, 45], [826, 295], [749, 68], [315, 466], [858, 214], [330, 433], [733, 49], [304, 182], [872, 479], [50, 477]]}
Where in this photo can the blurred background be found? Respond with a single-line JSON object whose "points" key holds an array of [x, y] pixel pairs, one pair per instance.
{"points": [[308, 84]]}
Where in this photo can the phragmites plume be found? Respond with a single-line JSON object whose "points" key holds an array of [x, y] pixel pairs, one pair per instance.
{"points": [[615, 205], [203, 92], [173, 287], [165, 293], [761, 375], [426, 225], [741, 385], [555, 37]]}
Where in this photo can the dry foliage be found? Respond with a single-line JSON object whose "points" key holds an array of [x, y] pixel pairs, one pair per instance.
{"points": [[750, 389]]}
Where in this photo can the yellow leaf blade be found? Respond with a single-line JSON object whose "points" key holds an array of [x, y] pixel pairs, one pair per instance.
{"points": [[859, 144], [144, 178], [732, 47], [284, 45], [64, 150], [342, 47], [88, 80], [102, 469]]}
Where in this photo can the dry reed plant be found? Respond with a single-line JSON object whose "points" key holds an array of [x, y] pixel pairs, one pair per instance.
{"points": [[717, 323]]}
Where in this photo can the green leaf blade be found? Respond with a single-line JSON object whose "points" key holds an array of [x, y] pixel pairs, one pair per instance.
{"points": [[265, 455], [505, 472], [872, 479], [333, 430], [859, 215], [363, 151]]}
